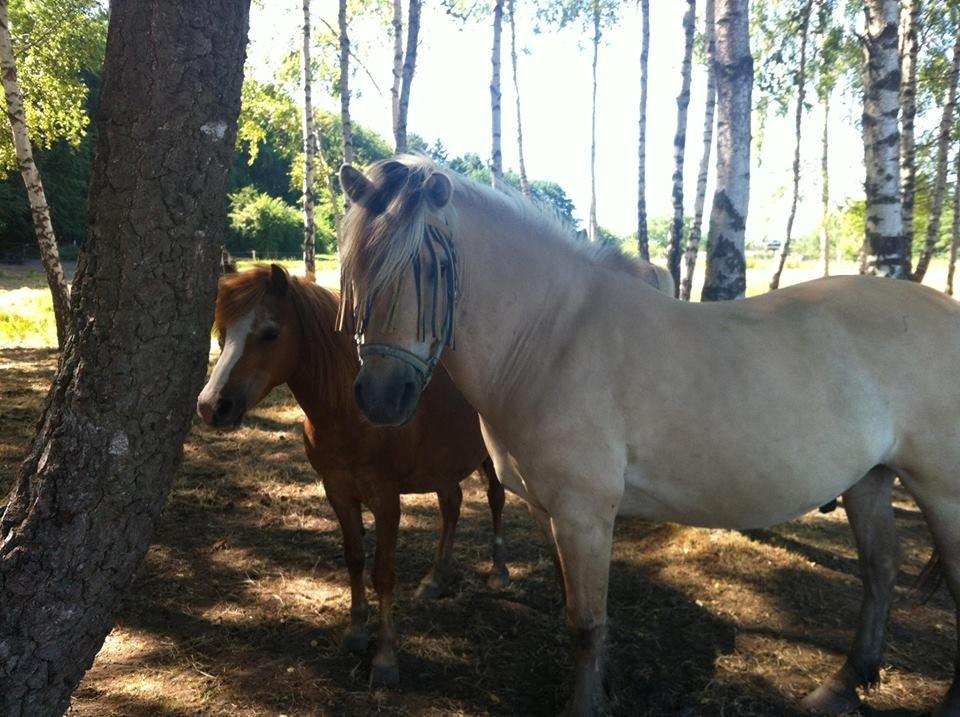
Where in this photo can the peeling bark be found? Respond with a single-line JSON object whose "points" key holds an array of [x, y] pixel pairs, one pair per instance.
{"points": [[797, 125], [881, 141], [496, 156], [726, 267], [592, 228], [693, 240], [524, 184], [85, 501], [940, 183], [39, 209], [679, 146], [908, 111], [409, 66], [643, 237], [309, 156]]}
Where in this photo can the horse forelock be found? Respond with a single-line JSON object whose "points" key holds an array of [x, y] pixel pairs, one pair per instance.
{"points": [[237, 295]]}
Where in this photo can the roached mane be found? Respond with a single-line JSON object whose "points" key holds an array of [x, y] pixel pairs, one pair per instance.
{"points": [[382, 233]]}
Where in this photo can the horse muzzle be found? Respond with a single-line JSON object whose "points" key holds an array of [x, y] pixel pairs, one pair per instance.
{"points": [[223, 412], [387, 390]]}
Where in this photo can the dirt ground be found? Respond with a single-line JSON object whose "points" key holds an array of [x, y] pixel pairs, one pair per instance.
{"points": [[242, 601]]}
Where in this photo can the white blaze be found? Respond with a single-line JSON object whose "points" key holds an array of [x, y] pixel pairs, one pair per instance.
{"points": [[233, 344]]}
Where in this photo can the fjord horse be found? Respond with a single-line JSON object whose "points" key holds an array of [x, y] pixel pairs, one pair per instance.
{"points": [[613, 399], [277, 329]]}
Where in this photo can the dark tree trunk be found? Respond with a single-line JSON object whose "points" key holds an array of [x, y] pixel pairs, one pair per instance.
{"points": [[726, 275], [85, 502], [643, 237], [679, 148]]}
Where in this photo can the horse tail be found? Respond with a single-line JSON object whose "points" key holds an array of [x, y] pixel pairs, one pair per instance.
{"points": [[931, 577]]}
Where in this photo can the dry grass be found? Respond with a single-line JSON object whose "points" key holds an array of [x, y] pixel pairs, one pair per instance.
{"points": [[242, 600]]}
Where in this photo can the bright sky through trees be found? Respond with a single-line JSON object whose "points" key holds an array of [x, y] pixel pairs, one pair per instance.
{"points": [[451, 102]]}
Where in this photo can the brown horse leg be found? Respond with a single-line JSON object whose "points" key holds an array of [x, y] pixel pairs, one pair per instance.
{"points": [[496, 497], [351, 526], [385, 670], [870, 512], [437, 582]]}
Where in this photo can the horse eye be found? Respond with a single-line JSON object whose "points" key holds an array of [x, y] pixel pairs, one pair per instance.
{"points": [[270, 334]]}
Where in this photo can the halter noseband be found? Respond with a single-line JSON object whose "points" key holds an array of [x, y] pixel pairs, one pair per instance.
{"points": [[439, 243]]}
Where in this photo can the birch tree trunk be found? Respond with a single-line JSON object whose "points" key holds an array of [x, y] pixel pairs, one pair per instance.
{"points": [[885, 245], [85, 501], [496, 156], [409, 66], [955, 228], [39, 209], [396, 26], [825, 188], [679, 146], [524, 184], [797, 125], [908, 110], [643, 238], [940, 183], [726, 267], [309, 156], [592, 229], [346, 123], [693, 241]]}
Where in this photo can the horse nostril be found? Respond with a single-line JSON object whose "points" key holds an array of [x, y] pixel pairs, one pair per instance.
{"points": [[224, 407]]}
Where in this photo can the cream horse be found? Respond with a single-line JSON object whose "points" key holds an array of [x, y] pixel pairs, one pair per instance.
{"points": [[615, 400]]}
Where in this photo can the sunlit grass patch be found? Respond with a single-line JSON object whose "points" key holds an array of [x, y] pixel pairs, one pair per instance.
{"points": [[26, 318]]}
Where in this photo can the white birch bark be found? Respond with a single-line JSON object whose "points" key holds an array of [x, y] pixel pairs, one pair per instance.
{"points": [[309, 155], [39, 209], [396, 28], [825, 188], [409, 66], [524, 183], [592, 229], [955, 229], [908, 109], [726, 267], [496, 155], [797, 126], [693, 240], [643, 237], [345, 122], [679, 146], [886, 255], [940, 182]]}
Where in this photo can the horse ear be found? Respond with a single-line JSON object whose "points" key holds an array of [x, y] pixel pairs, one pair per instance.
{"points": [[355, 185], [279, 279], [438, 189]]}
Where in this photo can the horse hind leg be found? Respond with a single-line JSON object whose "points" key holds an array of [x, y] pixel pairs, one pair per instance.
{"points": [[437, 582], [499, 574], [870, 511], [941, 509]]}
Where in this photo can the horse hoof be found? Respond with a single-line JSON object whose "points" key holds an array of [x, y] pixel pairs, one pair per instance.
{"points": [[828, 700], [355, 641], [384, 676], [499, 579]]}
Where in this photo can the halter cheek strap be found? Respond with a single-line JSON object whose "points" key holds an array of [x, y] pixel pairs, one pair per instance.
{"points": [[424, 369]]}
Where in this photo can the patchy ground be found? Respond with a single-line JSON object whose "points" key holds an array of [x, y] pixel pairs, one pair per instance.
{"points": [[242, 600]]}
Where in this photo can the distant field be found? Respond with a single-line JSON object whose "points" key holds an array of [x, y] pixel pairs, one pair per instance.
{"points": [[26, 316]]}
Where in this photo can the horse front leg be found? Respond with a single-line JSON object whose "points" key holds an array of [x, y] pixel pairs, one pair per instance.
{"points": [[869, 509], [583, 530], [385, 670], [351, 528]]}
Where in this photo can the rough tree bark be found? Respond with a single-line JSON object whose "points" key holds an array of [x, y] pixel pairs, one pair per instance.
{"points": [[679, 146], [345, 121], [693, 240], [85, 501], [881, 141], [496, 156], [955, 228], [40, 210], [940, 182], [524, 183], [797, 125], [396, 26], [825, 188], [643, 238], [409, 66], [309, 155], [908, 111], [592, 228], [726, 268]]}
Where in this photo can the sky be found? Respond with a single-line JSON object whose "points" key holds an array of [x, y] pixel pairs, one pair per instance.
{"points": [[450, 101]]}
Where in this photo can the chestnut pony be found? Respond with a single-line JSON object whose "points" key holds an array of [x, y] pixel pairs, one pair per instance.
{"points": [[277, 329]]}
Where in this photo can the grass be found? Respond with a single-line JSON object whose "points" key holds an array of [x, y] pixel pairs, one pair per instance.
{"points": [[26, 314]]}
